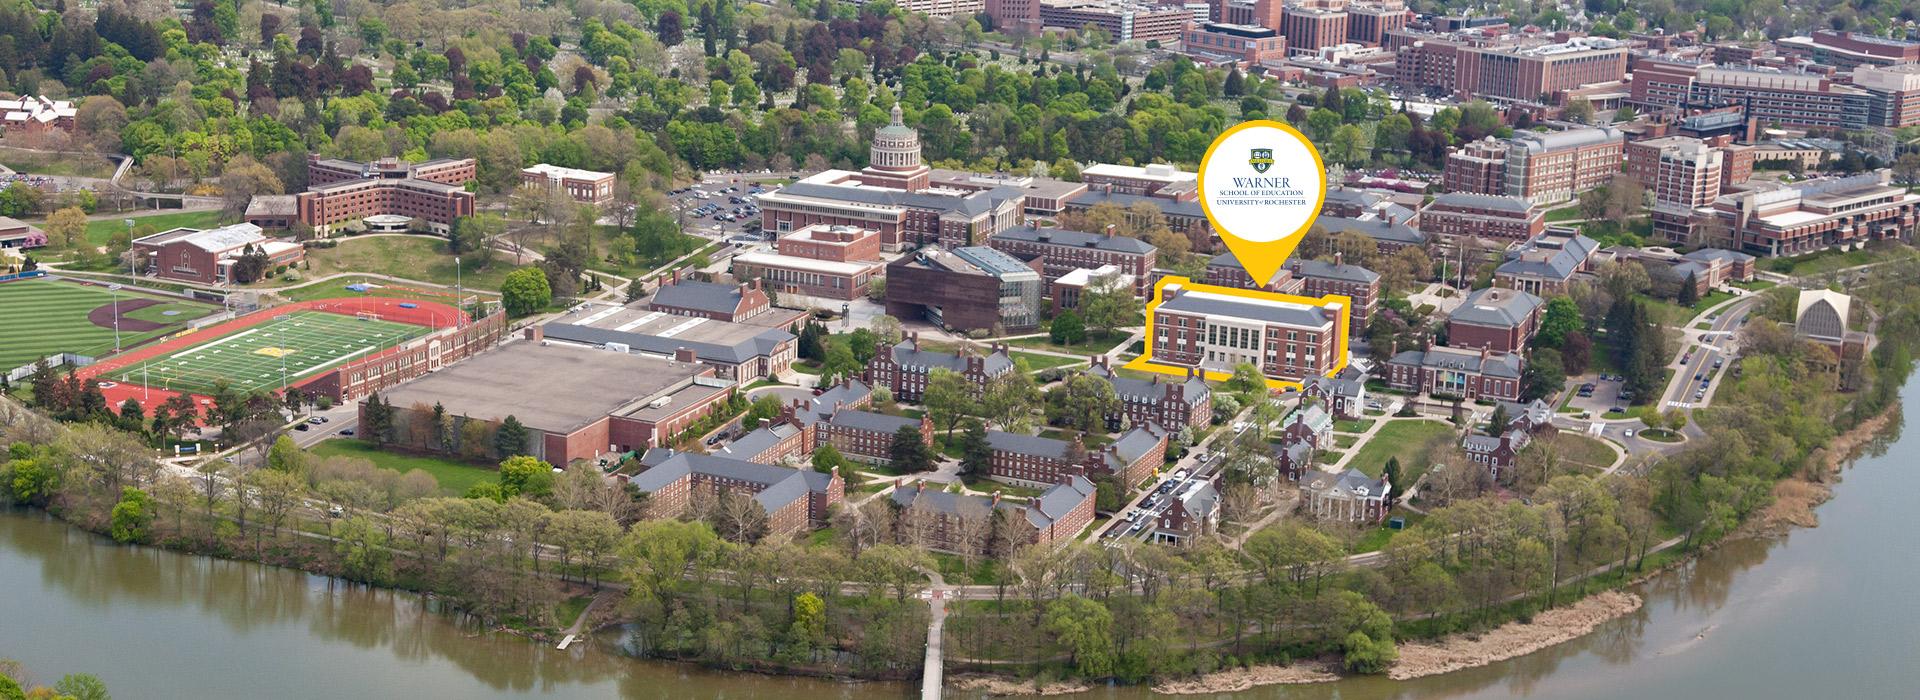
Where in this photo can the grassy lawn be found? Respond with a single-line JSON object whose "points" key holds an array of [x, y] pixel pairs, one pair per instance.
{"points": [[1660, 435], [1036, 361], [1563, 214], [67, 164], [1345, 441], [1754, 285], [1585, 450], [454, 477], [1402, 439], [566, 611], [1377, 538], [985, 570], [421, 258], [612, 252], [1823, 261], [1095, 343], [42, 317], [98, 231], [1358, 425], [1674, 315]]}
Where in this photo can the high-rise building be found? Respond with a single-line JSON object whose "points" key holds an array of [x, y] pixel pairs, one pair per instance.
{"points": [[1369, 22], [1311, 24], [1802, 217], [1522, 73], [1553, 167]]}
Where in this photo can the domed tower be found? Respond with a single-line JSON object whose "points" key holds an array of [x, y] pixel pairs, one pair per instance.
{"points": [[894, 159]]}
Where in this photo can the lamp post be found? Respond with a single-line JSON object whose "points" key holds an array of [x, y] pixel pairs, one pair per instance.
{"points": [[131, 270]]}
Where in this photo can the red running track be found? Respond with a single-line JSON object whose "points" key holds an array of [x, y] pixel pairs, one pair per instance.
{"points": [[425, 313]]}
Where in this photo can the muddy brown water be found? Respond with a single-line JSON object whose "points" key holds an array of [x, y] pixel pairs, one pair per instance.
{"points": [[1820, 612]]}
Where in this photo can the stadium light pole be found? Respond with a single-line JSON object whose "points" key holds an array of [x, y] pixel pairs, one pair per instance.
{"points": [[116, 315]]}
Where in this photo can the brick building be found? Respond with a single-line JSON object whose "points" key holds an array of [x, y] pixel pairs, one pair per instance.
{"points": [[720, 302], [794, 500], [903, 368], [1359, 285], [1802, 217], [596, 403], [1546, 265], [1479, 167], [1122, 20], [584, 186], [1192, 512], [414, 358], [1844, 50], [1309, 25], [1144, 180], [1459, 373], [1240, 43], [1179, 208], [1171, 403], [894, 195], [1031, 460], [1539, 73], [1061, 252], [1212, 331], [867, 436], [963, 523], [1496, 453], [1369, 22], [1344, 395], [207, 256], [825, 262], [1555, 167], [1502, 320], [18, 235], [1483, 216]]}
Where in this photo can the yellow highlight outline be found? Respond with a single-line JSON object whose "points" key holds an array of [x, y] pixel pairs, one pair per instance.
{"points": [[1145, 363], [1257, 257]]}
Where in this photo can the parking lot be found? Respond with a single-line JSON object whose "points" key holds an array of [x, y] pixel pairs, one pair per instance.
{"points": [[720, 209], [1599, 394]]}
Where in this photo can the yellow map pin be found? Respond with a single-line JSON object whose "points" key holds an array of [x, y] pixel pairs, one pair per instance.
{"points": [[1262, 184]]}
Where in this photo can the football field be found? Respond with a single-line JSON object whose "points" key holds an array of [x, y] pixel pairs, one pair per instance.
{"points": [[283, 350]]}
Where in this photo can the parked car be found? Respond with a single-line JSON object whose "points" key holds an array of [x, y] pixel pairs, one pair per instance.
{"points": [[347, 432], [302, 427]]}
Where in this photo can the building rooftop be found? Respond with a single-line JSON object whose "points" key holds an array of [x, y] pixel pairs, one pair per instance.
{"points": [[1471, 200], [660, 333], [1557, 262], [1136, 389], [213, 240], [794, 262], [1503, 365], [1076, 239], [1156, 171], [906, 354], [1321, 269], [780, 486], [1267, 311], [1496, 307], [1537, 142], [1170, 207], [1351, 482], [555, 172], [1059, 501], [556, 388], [710, 297]]}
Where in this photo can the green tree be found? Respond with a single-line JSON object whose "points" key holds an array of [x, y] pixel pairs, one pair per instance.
{"points": [[362, 548], [1689, 291], [948, 397], [35, 480], [767, 407], [376, 418], [909, 453], [1083, 403], [82, 686], [1067, 329], [826, 458], [132, 516], [1246, 380], [286, 456], [976, 455], [1085, 628], [525, 291], [521, 475], [1368, 646], [809, 628], [1561, 318], [510, 439], [839, 363]]}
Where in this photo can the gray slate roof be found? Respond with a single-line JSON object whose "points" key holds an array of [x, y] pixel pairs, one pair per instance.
{"points": [[1378, 229], [906, 355], [1351, 481], [1478, 442], [822, 406], [1503, 365], [700, 296], [761, 345], [1315, 418], [781, 485], [1496, 307], [1167, 207], [970, 205], [1135, 389], [872, 422], [758, 441], [1076, 239], [1555, 263], [1344, 272], [1058, 501], [1023, 444], [1719, 254], [1340, 386]]}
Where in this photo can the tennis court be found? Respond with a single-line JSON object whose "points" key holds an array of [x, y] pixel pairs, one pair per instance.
{"points": [[285, 350]]}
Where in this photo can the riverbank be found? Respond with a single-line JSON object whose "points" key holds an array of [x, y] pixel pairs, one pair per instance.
{"points": [[1240, 679], [1795, 497], [1550, 627], [1007, 685]]}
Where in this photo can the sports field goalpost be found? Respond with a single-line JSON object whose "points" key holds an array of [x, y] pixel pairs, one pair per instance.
{"points": [[367, 315]]}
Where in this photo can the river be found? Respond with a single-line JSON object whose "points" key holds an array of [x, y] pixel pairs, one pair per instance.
{"points": [[1818, 612]]}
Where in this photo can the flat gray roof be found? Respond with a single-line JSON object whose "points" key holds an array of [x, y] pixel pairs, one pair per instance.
{"points": [[556, 388]]}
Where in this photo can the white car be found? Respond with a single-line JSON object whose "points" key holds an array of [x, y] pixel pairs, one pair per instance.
{"points": [[1239, 427], [1629, 432]]}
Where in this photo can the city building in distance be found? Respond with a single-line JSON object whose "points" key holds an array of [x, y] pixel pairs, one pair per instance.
{"points": [[1213, 329]]}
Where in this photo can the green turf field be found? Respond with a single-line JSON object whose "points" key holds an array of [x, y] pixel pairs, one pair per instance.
{"points": [[288, 348], [40, 317]]}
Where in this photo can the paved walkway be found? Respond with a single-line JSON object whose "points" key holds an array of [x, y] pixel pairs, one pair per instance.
{"points": [[933, 669]]}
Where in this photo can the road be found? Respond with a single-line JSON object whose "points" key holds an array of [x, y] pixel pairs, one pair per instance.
{"points": [[1701, 362]]}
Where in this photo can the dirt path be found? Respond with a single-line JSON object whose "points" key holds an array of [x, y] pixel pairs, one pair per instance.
{"points": [[103, 316]]}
